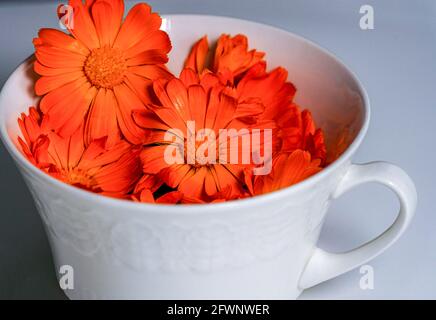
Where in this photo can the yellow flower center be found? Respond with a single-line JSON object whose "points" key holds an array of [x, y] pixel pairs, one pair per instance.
{"points": [[105, 67], [79, 178]]}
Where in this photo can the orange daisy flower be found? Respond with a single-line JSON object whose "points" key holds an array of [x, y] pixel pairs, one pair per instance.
{"points": [[296, 129], [203, 101], [102, 71], [272, 88], [288, 169], [231, 58], [109, 171], [35, 143]]}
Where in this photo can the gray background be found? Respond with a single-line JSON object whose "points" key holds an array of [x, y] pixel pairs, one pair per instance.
{"points": [[396, 63]]}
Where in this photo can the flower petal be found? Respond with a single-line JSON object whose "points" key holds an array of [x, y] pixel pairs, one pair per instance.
{"points": [[192, 184], [149, 120], [107, 17], [102, 118], [196, 59], [127, 102], [197, 104], [47, 71], [141, 86], [152, 72], [58, 39], [120, 176], [59, 58], [172, 197], [48, 83], [82, 26], [68, 113], [174, 174], [148, 57], [61, 94], [157, 40], [153, 159], [139, 23], [146, 196]]}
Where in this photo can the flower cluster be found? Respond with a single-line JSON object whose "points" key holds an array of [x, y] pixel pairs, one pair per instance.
{"points": [[112, 119]]}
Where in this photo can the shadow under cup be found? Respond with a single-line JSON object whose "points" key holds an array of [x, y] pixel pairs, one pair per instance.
{"points": [[254, 248]]}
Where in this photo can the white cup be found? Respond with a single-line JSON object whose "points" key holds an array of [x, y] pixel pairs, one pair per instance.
{"points": [[258, 248]]}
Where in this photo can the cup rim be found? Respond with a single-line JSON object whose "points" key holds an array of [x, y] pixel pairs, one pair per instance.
{"points": [[201, 208]]}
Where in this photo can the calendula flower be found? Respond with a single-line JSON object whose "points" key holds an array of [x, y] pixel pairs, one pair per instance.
{"points": [[245, 74], [295, 128], [203, 102], [101, 71], [298, 131], [109, 171], [288, 169], [197, 57], [35, 144], [272, 88], [231, 57], [105, 89]]}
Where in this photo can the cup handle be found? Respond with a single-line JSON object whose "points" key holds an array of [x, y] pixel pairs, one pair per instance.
{"points": [[323, 265]]}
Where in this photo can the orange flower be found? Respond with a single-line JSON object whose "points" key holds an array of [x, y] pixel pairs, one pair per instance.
{"points": [[231, 58], [102, 71], [35, 143], [205, 101], [196, 59], [272, 88], [288, 169], [232, 55], [112, 172], [296, 129], [105, 89]]}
